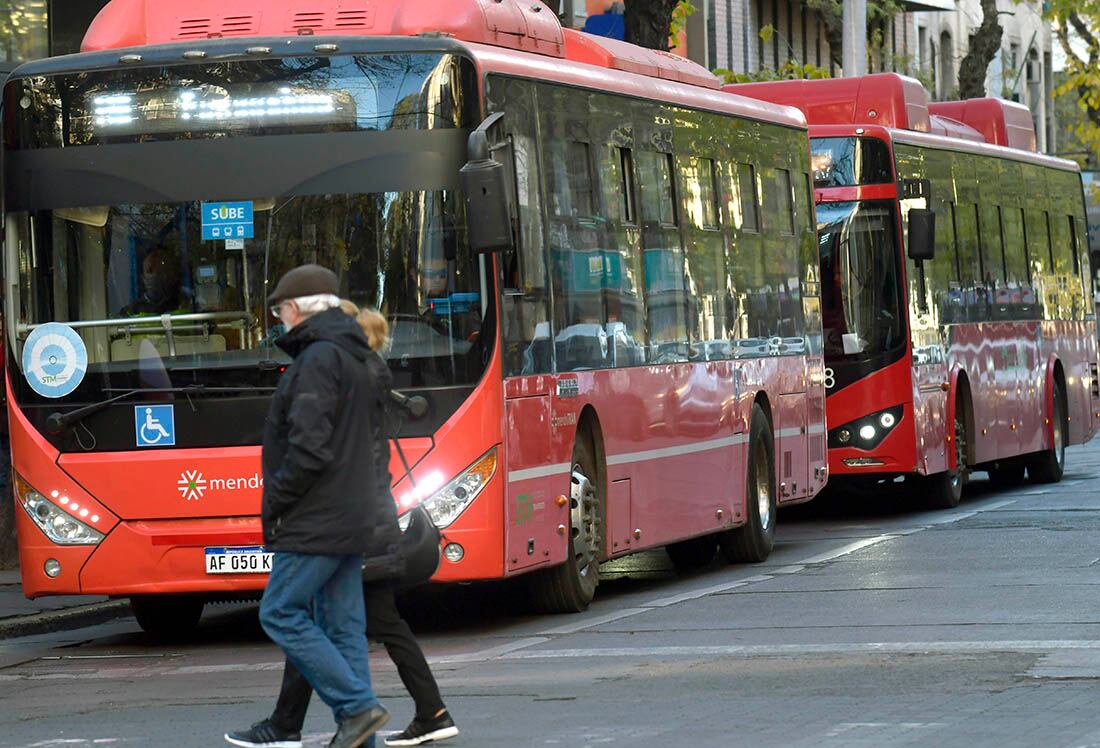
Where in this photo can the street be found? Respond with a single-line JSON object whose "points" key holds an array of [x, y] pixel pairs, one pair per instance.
{"points": [[872, 624]]}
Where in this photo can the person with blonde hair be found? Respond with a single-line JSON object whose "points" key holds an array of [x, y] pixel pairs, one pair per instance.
{"points": [[432, 721]]}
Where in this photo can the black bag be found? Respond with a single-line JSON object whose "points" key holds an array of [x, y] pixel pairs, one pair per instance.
{"points": [[420, 548]]}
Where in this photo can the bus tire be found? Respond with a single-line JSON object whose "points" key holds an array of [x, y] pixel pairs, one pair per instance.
{"points": [[753, 541], [167, 616], [1049, 465], [693, 554], [944, 490], [569, 587]]}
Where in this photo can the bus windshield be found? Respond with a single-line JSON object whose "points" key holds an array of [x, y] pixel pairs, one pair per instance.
{"points": [[163, 297], [861, 292]]}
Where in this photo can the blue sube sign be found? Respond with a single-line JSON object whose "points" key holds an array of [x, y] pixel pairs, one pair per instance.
{"points": [[227, 221]]}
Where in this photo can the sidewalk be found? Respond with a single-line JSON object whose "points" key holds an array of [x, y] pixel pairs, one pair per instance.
{"points": [[20, 616]]}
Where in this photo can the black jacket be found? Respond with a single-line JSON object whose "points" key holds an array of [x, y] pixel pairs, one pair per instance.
{"points": [[320, 453]]}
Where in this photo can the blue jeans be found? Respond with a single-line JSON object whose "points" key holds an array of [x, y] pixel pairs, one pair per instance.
{"points": [[313, 609]]}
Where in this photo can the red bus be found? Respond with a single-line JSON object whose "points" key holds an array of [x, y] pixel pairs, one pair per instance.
{"points": [[959, 330], [640, 367]]}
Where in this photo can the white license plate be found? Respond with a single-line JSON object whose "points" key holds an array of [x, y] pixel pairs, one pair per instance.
{"points": [[238, 560]]}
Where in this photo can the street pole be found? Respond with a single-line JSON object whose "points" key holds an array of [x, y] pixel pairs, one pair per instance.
{"points": [[855, 38]]}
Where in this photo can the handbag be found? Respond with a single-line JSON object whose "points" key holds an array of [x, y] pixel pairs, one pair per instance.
{"points": [[420, 548], [421, 542]]}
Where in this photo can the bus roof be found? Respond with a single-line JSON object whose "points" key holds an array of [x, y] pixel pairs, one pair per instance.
{"points": [[507, 36], [900, 105]]}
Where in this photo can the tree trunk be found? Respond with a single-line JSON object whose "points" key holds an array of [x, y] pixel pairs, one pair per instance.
{"points": [[648, 22], [984, 45]]}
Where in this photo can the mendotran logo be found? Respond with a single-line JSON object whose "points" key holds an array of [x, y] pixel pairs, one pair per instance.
{"points": [[192, 485]]}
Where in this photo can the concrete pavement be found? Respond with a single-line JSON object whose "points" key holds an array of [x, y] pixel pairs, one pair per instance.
{"points": [[871, 625]]}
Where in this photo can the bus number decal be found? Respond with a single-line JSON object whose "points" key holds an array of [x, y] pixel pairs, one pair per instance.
{"points": [[830, 378]]}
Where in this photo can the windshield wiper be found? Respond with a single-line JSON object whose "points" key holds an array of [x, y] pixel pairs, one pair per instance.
{"points": [[58, 422]]}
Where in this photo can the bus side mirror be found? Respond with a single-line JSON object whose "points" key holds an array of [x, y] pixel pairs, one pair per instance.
{"points": [[922, 234], [485, 183]]}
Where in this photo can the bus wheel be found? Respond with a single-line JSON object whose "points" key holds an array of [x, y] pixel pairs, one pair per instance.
{"points": [[689, 555], [1048, 466], [570, 587], [169, 616], [1008, 474], [753, 541], [944, 490]]}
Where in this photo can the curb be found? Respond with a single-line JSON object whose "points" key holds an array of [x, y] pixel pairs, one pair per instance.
{"points": [[65, 619]]}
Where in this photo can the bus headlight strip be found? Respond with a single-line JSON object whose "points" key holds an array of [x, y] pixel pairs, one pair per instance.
{"points": [[446, 504], [54, 522]]}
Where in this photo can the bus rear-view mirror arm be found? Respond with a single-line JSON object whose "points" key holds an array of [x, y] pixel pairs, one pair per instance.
{"points": [[922, 234], [485, 183]]}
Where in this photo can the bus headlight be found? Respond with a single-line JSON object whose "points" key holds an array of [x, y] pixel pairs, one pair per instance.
{"points": [[447, 503], [54, 522], [870, 430]]}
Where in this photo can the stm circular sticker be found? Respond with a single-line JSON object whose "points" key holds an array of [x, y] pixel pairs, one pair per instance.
{"points": [[54, 360]]}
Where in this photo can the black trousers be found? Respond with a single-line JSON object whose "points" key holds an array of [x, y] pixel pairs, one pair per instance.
{"points": [[385, 625]]}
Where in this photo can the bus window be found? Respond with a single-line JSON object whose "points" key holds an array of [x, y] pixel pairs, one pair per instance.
{"points": [[1074, 246], [1061, 251], [655, 179], [784, 201], [706, 262], [708, 194], [625, 171], [942, 272], [580, 179], [624, 310], [746, 179], [860, 280], [992, 235], [526, 319]]}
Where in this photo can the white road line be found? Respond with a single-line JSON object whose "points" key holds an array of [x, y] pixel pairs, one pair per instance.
{"points": [[664, 602], [491, 653], [845, 550], [572, 628], [950, 517], [773, 650]]}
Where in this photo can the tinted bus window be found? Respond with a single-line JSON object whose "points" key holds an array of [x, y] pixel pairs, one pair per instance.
{"points": [[746, 179], [847, 162], [655, 179], [785, 202], [992, 244], [1015, 249], [860, 290], [580, 178]]}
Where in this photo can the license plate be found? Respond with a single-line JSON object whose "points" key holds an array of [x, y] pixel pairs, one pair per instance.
{"points": [[238, 560]]}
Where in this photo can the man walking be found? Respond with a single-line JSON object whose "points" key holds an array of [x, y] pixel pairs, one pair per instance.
{"points": [[317, 460]]}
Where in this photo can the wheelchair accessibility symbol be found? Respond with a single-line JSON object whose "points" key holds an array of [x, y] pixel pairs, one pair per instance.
{"points": [[155, 425]]}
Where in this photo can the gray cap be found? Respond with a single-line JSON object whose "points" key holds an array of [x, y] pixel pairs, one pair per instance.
{"points": [[305, 280]]}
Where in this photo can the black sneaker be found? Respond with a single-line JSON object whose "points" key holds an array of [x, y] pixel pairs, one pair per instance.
{"points": [[357, 729], [425, 731], [265, 735]]}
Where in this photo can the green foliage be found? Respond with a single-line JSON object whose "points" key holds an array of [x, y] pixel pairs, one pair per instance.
{"points": [[790, 70], [1076, 25], [679, 21]]}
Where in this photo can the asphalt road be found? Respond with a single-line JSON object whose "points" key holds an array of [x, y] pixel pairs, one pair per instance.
{"points": [[873, 624]]}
